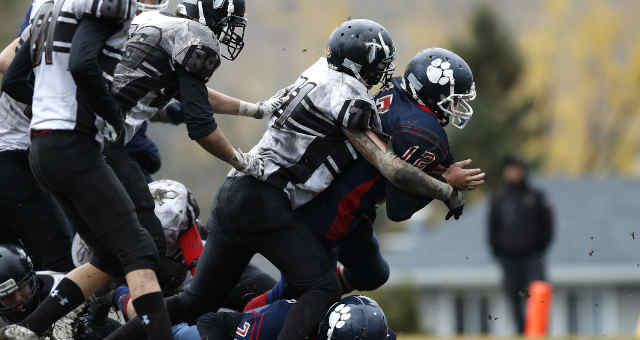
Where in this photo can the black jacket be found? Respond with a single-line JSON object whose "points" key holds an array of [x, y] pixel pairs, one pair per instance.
{"points": [[520, 222]]}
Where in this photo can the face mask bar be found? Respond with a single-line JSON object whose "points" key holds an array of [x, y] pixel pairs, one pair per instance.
{"points": [[232, 36], [10, 287], [382, 74], [457, 106]]}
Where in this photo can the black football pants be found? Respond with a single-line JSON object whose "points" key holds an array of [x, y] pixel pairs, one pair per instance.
{"points": [[252, 217], [71, 166], [31, 216]]}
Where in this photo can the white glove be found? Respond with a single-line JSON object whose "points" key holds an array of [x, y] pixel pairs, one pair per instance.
{"points": [[269, 106], [250, 164]]}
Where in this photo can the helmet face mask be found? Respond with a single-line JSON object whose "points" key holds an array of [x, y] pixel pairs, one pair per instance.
{"points": [[18, 281], [16, 297], [226, 18], [230, 33], [457, 106]]}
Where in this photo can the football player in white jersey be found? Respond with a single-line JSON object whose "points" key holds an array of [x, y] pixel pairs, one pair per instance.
{"points": [[303, 150], [73, 48], [30, 215]]}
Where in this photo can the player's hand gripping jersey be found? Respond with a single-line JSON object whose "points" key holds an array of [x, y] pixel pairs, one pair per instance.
{"points": [[57, 102], [304, 148], [161, 51]]}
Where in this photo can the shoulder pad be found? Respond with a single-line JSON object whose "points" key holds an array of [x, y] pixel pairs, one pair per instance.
{"points": [[116, 10], [197, 50]]}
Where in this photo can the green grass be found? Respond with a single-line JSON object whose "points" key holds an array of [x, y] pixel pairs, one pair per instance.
{"points": [[423, 337]]}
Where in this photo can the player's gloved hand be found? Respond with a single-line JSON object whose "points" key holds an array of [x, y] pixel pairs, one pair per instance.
{"points": [[249, 163], [175, 113], [114, 131], [455, 203], [269, 106]]}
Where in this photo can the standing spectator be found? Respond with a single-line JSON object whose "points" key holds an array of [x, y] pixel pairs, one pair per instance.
{"points": [[520, 231]]}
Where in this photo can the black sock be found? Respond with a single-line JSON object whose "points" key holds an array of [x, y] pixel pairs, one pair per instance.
{"points": [[63, 299], [153, 314]]}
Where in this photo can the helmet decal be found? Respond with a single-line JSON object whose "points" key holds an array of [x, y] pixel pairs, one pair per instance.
{"points": [[440, 72], [338, 318]]}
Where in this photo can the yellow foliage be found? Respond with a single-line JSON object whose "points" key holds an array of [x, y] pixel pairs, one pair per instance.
{"points": [[581, 59]]}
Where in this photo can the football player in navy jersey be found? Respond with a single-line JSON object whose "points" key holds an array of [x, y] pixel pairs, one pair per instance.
{"points": [[353, 317], [414, 109]]}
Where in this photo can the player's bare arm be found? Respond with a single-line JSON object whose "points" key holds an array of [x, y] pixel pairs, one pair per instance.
{"points": [[6, 56], [398, 172], [224, 104]]}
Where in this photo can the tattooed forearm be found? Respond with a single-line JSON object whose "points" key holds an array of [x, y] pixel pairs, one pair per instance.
{"points": [[400, 173]]}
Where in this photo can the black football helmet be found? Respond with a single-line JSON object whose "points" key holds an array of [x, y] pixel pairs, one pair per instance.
{"points": [[226, 18], [364, 49], [355, 317], [442, 81], [18, 283]]}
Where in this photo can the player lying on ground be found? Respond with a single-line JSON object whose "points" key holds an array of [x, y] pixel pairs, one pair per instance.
{"points": [[342, 216], [354, 317], [22, 289]]}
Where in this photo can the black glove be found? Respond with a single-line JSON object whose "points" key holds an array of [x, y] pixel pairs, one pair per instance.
{"points": [[455, 204], [175, 113]]}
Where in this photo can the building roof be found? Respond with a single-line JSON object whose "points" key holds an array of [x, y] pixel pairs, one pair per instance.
{"points": [[596, 239]]}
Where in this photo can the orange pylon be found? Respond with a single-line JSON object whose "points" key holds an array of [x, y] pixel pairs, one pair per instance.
{"points": [[538, 310]]}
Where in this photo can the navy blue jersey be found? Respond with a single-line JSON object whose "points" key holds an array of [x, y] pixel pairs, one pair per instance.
{"points": [[265, 323], [416, 136]]}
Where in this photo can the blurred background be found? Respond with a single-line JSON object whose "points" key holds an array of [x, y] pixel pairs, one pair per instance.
{"points": [[558, 84]]}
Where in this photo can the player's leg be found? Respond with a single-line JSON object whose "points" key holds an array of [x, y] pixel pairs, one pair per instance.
{"points": [[73, 167], [31, 215], [363, 267], [132, 178], [252, 283], [301, 258]]}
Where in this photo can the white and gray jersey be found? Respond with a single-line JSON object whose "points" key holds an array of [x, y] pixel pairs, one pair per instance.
{"points": [[14, 123], [55, 105], [304, 148], [145, 81]]}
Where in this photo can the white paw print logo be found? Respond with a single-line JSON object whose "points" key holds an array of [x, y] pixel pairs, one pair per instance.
{"points": [[440, 72], [338, 318]]}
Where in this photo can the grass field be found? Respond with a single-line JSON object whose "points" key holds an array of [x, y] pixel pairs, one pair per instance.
{"points": [[423, 337]]}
